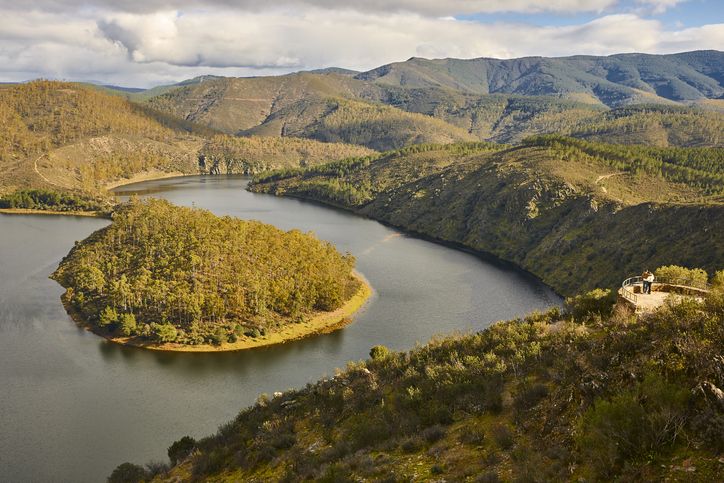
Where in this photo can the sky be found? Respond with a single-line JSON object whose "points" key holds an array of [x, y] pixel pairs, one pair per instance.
{"points": [[142, 43]]}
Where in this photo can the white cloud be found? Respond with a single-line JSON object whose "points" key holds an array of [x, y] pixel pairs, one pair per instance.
{"points": [[163, 46], [425, 7]]}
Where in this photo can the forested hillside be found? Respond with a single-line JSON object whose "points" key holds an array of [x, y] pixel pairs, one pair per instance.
{"points": [[585, 395], [254, 154], [381, 115], [575, 213], [612, 80], [166, 274], [75, 139], [42, 116]]}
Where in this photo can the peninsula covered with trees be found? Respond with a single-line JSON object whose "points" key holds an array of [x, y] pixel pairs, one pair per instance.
{"points": [[175, 278]]}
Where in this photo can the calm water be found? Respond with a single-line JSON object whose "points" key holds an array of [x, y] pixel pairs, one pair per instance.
{"points": [[73, 406]]}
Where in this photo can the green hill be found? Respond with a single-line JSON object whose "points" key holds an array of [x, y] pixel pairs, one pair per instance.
{"points": [[79, 139], [574, 213], [613, 80], [163, 274], [582, 396], [326, 107], [311, 104], [42, 117]]}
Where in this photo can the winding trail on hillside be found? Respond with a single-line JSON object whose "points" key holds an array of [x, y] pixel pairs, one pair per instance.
{"points": [[35, 168]]}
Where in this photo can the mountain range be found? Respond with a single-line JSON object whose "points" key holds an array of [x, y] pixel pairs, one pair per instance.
{"points": [[477, 99]]}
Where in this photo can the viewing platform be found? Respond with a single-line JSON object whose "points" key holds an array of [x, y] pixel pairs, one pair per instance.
{"points": [[631, 293]]}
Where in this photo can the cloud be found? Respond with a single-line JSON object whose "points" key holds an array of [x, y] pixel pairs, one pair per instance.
{"points": [[424, 7], [659, 6], [144, 49]]}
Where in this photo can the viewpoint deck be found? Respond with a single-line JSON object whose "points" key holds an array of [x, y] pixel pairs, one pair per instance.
{"points": [[631, 293]]}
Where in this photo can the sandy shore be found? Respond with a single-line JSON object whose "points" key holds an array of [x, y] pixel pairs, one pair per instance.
{"points": [[146, 176], [321, 323]]}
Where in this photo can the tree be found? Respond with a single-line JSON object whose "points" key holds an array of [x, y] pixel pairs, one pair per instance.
{"points": [[180, 449], [128, 324], [108, 317]]}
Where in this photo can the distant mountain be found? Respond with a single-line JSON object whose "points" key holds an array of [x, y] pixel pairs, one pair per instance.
{"points": [[613, 80], [325, 107], [382, 116]]}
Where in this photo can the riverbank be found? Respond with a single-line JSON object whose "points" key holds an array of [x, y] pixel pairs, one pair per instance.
{"points": [[26, 211], [320, 323], [146, 176]]}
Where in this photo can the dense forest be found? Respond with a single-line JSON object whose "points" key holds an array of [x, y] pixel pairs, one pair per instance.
{"points": [[254, 154], [587, 393], [562, 208], [52, 200], [699, 168], [169, 274]]}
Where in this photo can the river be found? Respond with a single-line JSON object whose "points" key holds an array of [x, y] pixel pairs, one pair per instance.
{"points": [[73, 406]]}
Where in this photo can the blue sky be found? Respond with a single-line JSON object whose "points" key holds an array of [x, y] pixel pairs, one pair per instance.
{"points": [[691, 13]]}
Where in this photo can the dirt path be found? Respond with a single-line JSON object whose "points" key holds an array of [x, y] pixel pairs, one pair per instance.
{"points": [[35, 168]]}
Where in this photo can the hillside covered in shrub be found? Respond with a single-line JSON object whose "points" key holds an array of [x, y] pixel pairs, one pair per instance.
{"points": [[585, 394], [577, 214], [166, 274]]}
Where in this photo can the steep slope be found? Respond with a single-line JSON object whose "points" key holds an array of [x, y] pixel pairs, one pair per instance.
{"points": [[613, 80], [552, 397], [327, 107], [42, 116], [576, 214], [73, 137]]}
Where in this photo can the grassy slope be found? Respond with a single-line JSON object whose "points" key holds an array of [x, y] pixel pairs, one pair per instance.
{"points": [[546, 398], [562, 217]]}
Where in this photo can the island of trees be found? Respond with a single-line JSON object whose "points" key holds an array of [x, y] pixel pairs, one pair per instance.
{"points": [[176, 278]]}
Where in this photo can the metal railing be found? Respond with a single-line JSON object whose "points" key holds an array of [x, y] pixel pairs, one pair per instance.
{"points": [[628, 293]]}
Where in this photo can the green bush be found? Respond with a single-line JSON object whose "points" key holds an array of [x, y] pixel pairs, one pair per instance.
{"points": [[596, 302], [379, 352], [180, 449], [717, 281], [631, 423], [127, 473], [164, 332], [687, 276]]}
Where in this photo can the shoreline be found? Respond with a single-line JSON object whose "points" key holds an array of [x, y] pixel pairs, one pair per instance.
{"points": [[488, 257], [29, 211], [145, 176], [321, 323]]}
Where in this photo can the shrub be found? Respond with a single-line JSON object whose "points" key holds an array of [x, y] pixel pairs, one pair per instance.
{"points": [[163, 332], [180, 449], [596, 302], [531, 395], [433, 433], [688, 276], [503, 436], [630, 424], [717, 281], [379, 352], [127, 473]]}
